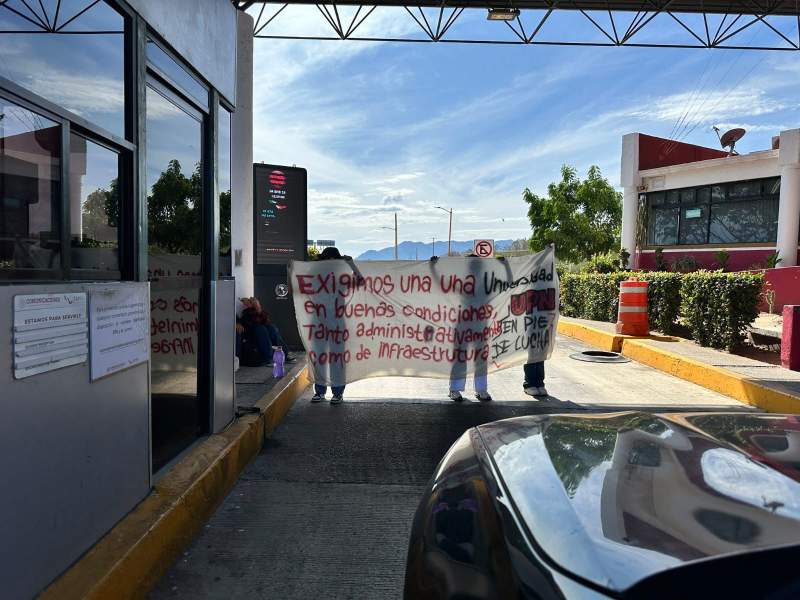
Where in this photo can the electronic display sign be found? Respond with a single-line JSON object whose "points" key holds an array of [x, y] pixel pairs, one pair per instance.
{"points": [[280, 196]]}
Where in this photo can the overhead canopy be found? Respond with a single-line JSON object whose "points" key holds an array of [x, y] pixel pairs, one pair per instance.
{"points": [[744, 7], [723, 24]]}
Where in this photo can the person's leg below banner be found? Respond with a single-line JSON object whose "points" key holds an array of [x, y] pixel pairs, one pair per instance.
{"points": [[457, 385], [534, 379], [482, 387], [338, 394], [319, 393]]}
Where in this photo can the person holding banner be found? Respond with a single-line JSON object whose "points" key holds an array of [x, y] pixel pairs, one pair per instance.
{"points": [[330, 253], [448, 318], [458, 379]]}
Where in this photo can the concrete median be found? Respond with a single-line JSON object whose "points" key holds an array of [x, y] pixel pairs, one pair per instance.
{"points": [[764, 386]]}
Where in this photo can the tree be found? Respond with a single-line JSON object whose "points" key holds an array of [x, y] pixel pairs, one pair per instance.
{"points": [[173, 211], [225, 223], [94, 217], [582, 218], [100, 213]]}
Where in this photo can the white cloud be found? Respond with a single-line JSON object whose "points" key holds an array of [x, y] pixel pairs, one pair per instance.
{"points": [[713, 106], [770, 128]]}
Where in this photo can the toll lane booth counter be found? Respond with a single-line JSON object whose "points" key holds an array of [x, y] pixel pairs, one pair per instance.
{"points": [[117, 332]]}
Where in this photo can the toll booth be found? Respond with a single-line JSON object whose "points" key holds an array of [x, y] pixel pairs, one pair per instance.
{"points": [[117, 186], [280, 219]]}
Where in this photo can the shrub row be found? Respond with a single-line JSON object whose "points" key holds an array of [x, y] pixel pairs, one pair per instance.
{"points": [[715, 306]]}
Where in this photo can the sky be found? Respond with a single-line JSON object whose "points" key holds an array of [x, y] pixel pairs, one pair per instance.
{"points": [[388, 127]]}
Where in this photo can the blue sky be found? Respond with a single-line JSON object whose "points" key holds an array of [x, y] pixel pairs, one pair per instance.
{"points": [[385, 127]]}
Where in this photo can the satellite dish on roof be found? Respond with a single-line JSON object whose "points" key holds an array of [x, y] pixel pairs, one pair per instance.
{"points": [[728, 139]]}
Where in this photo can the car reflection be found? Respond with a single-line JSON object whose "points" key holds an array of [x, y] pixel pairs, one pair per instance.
{"points": [[647, 491], [686, 497]]}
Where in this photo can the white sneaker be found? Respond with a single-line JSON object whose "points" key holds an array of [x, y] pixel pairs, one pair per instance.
{"points": [[317, 398], [542, 391], [455, 396], [336, 399], [531, 390], [484, 396]]}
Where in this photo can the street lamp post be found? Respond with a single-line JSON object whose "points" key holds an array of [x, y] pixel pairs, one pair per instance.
{"points": [[395, 234], [449, 228]]}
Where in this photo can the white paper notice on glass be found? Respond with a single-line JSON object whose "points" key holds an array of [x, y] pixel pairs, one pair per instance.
{"points": [[49, 332], [119, 328]]}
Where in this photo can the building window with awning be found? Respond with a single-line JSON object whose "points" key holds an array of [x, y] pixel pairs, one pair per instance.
{"points": [[743, 212]]}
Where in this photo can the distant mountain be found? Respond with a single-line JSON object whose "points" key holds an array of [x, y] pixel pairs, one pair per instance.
{"points": [[422, 251]]}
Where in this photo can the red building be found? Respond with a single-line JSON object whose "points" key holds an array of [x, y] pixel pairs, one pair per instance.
{"points": [[691, 201]]}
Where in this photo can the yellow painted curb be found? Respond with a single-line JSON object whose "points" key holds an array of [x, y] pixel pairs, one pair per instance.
{"points": [[729, 383], [610, 342], [129, 560]]}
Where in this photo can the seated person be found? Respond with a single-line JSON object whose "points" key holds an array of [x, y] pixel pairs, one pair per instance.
{"points": [[256, 336]]}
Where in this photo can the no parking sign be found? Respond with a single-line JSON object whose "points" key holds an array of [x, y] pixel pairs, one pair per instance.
{"points": [[483, 248]]}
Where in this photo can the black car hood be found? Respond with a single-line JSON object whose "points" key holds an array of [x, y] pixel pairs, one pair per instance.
{"points": [[616, 498]]}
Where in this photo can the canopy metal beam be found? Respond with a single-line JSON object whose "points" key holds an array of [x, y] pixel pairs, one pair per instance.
{"points": [[611, 22], [746, 7]]}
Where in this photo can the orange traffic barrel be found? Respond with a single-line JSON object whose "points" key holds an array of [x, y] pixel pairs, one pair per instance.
{"points": [[632, 319]]}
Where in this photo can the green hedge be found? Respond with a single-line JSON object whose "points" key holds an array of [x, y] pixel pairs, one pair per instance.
{"points": [[717, 307], [592, 296], [664, 299]]}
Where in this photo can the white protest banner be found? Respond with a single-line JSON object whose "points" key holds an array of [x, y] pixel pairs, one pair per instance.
{"points": [[447, 318], [174, 311]]}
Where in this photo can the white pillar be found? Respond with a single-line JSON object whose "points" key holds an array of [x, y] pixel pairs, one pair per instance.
{"points": [[630, 181], [789, 208], [630, 203], [242, 162]]}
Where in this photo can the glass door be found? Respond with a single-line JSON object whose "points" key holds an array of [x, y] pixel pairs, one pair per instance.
{"points": [[175, 242]]}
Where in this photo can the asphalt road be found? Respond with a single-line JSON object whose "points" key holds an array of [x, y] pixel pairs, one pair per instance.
{"points": [[325, 509]]}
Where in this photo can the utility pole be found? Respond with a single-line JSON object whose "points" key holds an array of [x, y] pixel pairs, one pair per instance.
{"points": [[395, 234], [449, 228]]}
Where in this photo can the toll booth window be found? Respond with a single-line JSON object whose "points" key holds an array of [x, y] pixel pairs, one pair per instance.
{"points": [[224, 184], [30, 191], [170, 70], [71, 53], [93, 206], [179, 411]]}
